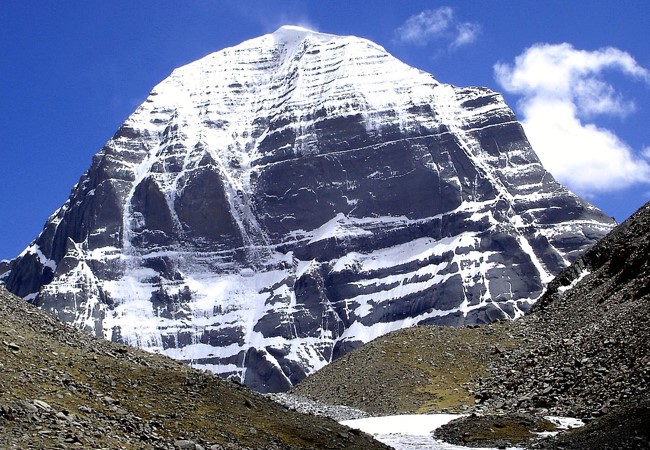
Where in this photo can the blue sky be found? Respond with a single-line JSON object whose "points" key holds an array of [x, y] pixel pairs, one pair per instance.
{"points": [[576, 73]]}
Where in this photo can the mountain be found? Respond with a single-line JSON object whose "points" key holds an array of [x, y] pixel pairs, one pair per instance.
{"points": [[276, 204], [62, 388], [582, 351]]}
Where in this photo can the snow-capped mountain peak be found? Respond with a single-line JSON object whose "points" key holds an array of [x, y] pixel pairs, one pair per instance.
{"points": [[294, 34], [277, 203]]}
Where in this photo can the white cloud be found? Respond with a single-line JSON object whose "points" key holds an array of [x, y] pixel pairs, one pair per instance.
{"points": [[562, 91], [275, 21], [466, 33], [437, 24]]}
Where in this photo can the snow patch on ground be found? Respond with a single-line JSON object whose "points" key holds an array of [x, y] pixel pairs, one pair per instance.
{"points": [[408, 431], [414, 431], [562, 423], [579, 278]]}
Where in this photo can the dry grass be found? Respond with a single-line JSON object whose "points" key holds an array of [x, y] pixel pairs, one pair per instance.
{"points": [[416, 370]]}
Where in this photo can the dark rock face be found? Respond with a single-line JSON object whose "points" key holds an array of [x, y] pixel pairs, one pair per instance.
{"points": [[260, 222]]}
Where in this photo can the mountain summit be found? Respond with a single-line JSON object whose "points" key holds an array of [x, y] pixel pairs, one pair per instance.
{"points": [[278, 203]]}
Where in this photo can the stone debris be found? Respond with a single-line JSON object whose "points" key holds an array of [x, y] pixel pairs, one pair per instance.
{"points": [[585, 350], [305, 405]]}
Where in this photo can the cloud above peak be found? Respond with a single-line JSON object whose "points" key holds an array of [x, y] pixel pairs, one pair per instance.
{"points": [[437, 25], [563, 91]]}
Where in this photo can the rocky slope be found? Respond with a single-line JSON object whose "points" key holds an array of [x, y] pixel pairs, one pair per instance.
{"points": [[61, 388], [276, 204], [583, 351], [587, 343], [626, 427]]}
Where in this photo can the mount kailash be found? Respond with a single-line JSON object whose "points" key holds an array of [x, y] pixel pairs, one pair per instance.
{"points": [[276, 204]]}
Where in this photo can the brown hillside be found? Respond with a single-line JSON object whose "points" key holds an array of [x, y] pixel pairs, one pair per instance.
{"points": [[60, 388], [415, 370]]}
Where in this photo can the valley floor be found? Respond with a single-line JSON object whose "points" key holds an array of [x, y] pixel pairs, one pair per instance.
{"points": [[401, 432]]}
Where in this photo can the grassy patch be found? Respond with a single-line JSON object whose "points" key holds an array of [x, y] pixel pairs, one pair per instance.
{"points": [[415, 370]]}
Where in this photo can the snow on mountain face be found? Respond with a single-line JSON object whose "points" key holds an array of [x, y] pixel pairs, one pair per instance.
{"points": [[276, 204]]}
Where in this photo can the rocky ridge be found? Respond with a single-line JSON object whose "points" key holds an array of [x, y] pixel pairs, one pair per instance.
{"points": [[61, 388], [585, 347]]}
